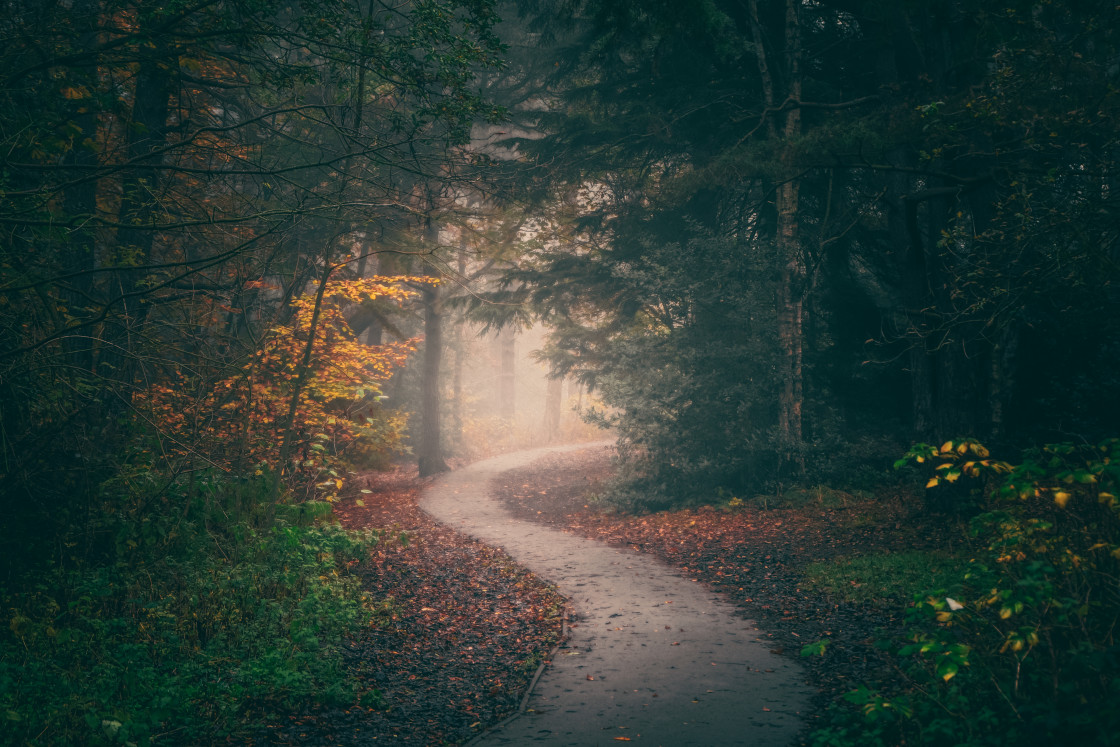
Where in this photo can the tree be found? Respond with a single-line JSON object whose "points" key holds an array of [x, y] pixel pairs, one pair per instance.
{"points": [[176, 176], [878, 175]]}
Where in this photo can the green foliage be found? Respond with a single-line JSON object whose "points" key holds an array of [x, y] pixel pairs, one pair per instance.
{"points": [[201, 621], [1021, 649], [815, 649], [885, 579], [955, 224], [676, 360]]}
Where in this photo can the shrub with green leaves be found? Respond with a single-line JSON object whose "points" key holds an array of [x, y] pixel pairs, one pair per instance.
{"points": [[194, 630], [1023, 649]]}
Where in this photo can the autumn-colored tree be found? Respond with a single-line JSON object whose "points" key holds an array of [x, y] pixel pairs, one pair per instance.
{"points": [[175, 177], [235, 421]]}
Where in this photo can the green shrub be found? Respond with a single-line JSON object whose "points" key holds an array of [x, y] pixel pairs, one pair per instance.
{"points": [[1026, 652], [194, 631]]}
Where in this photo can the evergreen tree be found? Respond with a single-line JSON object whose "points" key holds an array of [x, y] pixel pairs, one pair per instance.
{"points": [[854, 208]]}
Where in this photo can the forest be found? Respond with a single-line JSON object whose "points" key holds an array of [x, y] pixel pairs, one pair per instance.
{"points": [[255, 251]]}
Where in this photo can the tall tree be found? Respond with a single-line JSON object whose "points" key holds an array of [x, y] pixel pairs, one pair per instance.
{"points": [[178, 175], [881, 173]]}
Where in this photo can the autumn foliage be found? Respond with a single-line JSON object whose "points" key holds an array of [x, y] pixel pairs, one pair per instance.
{"points": [[233, 420]]}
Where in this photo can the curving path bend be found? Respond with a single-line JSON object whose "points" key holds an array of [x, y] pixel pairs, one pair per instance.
{"points": [[655, 659]]}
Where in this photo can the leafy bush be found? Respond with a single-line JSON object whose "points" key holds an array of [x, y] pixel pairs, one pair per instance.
{"points": [[237, 415], [190, 631], [1022, 649]]}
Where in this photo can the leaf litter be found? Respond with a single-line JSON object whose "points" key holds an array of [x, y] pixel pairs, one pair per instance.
{"points": [[458, 634], [464, 629], [754, 557]]}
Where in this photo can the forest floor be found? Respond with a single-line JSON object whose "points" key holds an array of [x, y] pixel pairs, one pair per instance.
{"points": [[462, 632], [756, 557], [455, 652]]}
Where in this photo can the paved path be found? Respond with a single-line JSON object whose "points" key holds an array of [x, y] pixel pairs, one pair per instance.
{"points": [[654, 658]]}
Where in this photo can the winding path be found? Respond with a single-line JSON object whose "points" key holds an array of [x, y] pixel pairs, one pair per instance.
{"points": [[655, 659]]}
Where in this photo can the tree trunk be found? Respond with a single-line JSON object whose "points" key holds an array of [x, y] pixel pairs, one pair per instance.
{"points": [[139, 203], [553, 405], [1002, 383], [287, 428], [918, 299], [457, 369], [507, 374], [955, 400], [80, 199], [788, 241], [430, 454]]}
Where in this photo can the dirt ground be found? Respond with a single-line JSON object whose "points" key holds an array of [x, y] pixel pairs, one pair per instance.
{"points": [[465, 629]]}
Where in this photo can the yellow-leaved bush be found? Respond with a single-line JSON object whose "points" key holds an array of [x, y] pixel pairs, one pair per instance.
{"points": [[234, 420]]}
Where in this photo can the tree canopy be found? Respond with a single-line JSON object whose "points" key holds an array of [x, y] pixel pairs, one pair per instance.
{"points": [[781, 229], [177, 177]]}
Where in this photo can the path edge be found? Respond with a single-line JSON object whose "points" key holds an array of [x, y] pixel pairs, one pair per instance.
{"points": [[565, 615], [545, 663]]}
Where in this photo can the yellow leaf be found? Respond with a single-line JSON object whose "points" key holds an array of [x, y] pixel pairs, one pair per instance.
{"points": [[947, 447], [338, 484], [1061, 498], [933, 481]]}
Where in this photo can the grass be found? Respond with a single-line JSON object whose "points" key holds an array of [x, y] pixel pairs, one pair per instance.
{"points": [[886, 578]]}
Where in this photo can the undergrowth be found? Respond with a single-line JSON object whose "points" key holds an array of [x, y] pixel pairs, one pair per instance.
{"points": [[182, 625], [885, 578], [1019, 647]]}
